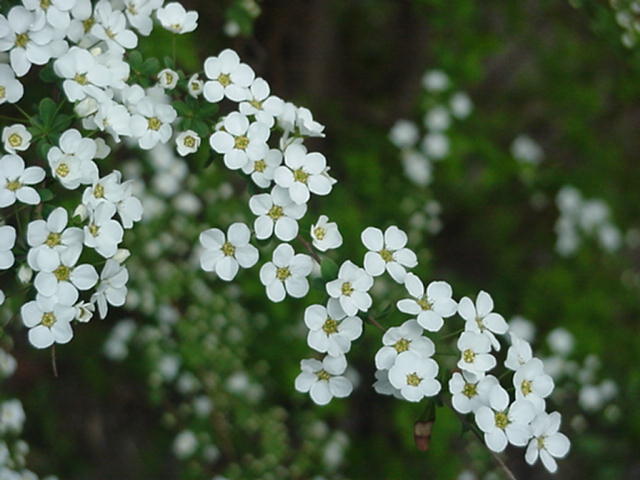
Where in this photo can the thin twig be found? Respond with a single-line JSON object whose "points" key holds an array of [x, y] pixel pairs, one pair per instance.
{"points": [[54, 365], [308, 246], [375, 322]]}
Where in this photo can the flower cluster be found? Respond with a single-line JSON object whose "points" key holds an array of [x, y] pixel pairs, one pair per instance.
{"points": [[444, 106], [578, 217]]}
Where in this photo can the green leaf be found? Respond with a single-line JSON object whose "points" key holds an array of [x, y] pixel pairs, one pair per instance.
{"points": [[46, 194], [61, 122], [47, 110], [43, 148], [182, 108], [47, 75], [328, 269]]}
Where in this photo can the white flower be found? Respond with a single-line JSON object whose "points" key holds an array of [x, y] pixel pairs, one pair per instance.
{"points": [[27, 39], [111, 27], [227, 77], [435, 81], [168, 79], [547, 442], [351, 288], [330, 330], [387, 252], [84, 311], [109, 189], [72, 163], [406, 337], [436, 145], [276, 213], [414, 375], [417, 167], [481, 318], [48, 320], [430, 306], [139, 14], [518, 354], [56, 11], [65, 280], [195, 86], [522, 328], [16, 138], [83, 75], [532, 383], [15, 181], [262, 171], [112, 288], [7, 242], [176, 19], [475, 349], [286, 274], [404, 134], [240, 141], [103, 233], [325, 235], [11, 90], [501, 422], [383, 386], [152, 123], [324, 380], [260, 104], [51, 241], [469, 392], [560, 341], [303, 173], [526, 150], [225, 254], [187, 142], [437, 119], [461, 105]]}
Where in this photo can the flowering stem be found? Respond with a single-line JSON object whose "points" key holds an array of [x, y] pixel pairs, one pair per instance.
{"points": [[373, 321], [54, 365], [452, 334]]}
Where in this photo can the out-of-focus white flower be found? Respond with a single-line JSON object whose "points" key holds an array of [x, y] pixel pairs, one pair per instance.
{"points": [[404, 134]]}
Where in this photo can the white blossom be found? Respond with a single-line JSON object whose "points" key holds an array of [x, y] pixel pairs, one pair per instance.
{"points": [[351, 288], [469, 392], [7, 242], [49, 320], [111, 290], [187, 142], [51, 241], [414, 375], [430, 306], [176, 19], [15, 181], [518, 354], [325, 235], [480, 317], [11, 90], [227, 77], [532, 383], [330, 329], [224, 254], [16, 138], [323, 379], [277, 213], [387, 252], [72, 162], [240, 142], [259, 103], [168, 78], [475, 357], [103, 233], [547, 442], [263, 170], [286, 274], [406, 337]]}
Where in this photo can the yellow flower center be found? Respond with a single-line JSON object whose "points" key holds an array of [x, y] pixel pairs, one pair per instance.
{"points": [[62, 170], [330, 326], [424, 304], [132, 9], [53, 239], [347, 289], [21, 40], [168, 77], [282, 273], [45, 4], [386, 255], [468, 355], [87, 24], [48, 319], [94, 229], [228, 249], [402, 345], [323, 375], [62, 273], [154, 123], [413, 379], [275, 212], [256, 104], [299, 175], [98, 191], [80, 78], [195, 86], [224, 79], [319, 233], [189, 141], [501, 420], [110, 33], [3, 92], [260, 166], [540, 442], [241, 142], [470, 390], [13, 185], [526, 387], [15, 140]]}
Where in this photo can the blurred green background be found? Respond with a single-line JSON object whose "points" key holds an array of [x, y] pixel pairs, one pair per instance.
{"points": [[553, 70]]}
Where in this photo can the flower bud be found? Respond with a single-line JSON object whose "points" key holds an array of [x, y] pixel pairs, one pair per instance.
{"points": [[86, 107], [121, 255], [84, 311], [25, 274], [81, 211], [422, 434]]}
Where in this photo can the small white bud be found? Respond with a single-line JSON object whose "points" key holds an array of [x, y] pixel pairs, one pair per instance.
{"points": [[86, 107], [84, 311], [25, 274], [121, 255], [81, 211]]}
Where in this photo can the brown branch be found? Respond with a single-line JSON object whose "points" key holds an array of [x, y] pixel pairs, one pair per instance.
{"points": [[310, 249], [54, 365]]}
